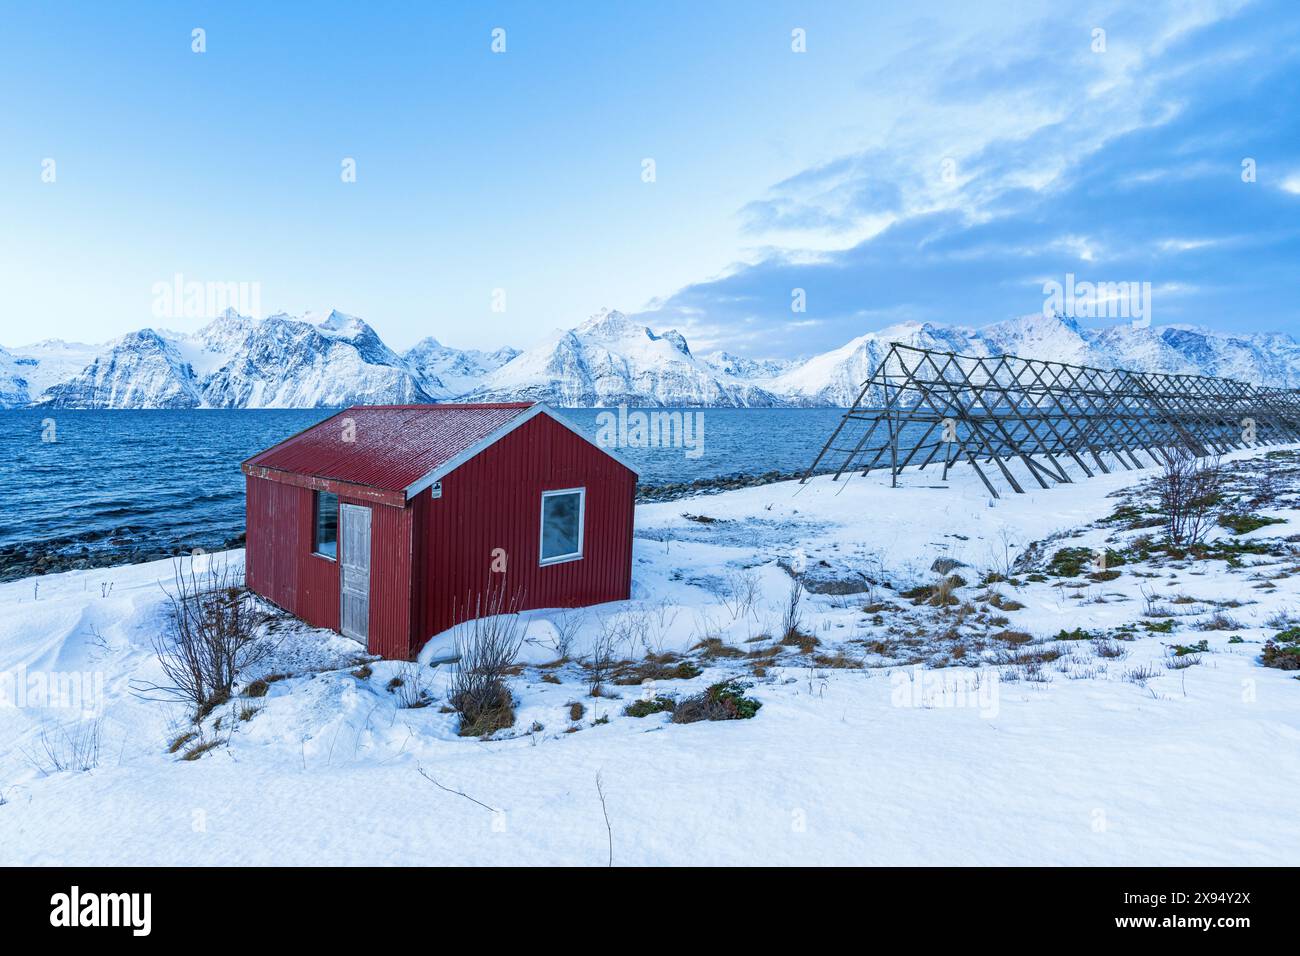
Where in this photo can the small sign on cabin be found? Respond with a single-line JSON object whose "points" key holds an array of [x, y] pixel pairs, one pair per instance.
{"points": [[435, 490]]}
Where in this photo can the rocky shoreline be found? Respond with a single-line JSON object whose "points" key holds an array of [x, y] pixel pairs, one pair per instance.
{"points": [[647, 494], [128, 544], [80, 553]]}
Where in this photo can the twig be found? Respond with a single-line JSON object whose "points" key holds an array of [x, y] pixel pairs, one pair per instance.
{"points": [[457, 792], [601, 791]]}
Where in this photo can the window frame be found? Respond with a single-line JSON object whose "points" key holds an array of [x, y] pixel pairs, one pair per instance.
{"points": [[582, 526], [315, 525]]}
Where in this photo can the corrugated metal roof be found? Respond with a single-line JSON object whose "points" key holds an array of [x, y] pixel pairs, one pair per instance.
{"points": [[387, 446]]}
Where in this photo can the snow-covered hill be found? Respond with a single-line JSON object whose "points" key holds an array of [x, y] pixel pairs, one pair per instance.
{"points": [[337, 359]]}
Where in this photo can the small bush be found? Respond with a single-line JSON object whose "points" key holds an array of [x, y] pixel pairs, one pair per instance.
{"points": [[1070, 562], [1013, 637], [181, 741], [492, 709], [1283, 650], [1109, 649], [715, 647], [656, 705], [658, 668], [576, 710], [199, 749], [1182, 650], [1245, 523], [805, 642], [1003, 603], [722, 701], [839, 660], [1221, 622], [486, 647], [1078, 634]]}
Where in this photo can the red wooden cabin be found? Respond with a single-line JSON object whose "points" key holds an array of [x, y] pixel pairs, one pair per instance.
{"points": [[389, 522]]}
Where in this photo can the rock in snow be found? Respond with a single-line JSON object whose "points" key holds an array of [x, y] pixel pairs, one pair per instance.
{"points": [[313, 362]]}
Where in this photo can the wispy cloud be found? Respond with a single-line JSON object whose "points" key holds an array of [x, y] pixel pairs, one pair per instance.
{"points": [[1039, 154]]}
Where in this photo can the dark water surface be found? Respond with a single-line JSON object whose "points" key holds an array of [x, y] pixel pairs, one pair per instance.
{"points": [[137, 484]]}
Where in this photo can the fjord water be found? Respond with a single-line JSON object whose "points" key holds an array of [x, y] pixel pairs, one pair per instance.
{"points": [[142, 483]]}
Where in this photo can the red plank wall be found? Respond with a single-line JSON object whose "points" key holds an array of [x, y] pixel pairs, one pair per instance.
{"points": [[282, 568], [280, 565], [494, 500]]}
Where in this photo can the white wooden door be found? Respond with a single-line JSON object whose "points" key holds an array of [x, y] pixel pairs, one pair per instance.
{"points": [[354, 571]]}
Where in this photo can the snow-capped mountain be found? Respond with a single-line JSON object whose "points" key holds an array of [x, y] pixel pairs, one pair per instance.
{"points": [[738, 366], [140, 370], [337, 359], [287, 363], [25, 373], [444, 371], [238, 362], [611, 360], [836, 377]]}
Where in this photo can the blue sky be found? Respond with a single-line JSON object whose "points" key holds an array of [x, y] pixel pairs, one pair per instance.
{"points": [[938, 162]]}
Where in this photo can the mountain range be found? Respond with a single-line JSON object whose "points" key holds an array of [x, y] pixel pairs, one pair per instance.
{"points": [[283, 361]]}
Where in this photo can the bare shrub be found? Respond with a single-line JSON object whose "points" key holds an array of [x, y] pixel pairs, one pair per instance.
{"points": [[1140, 674], [603, 657], [1266, 490], [68, 747], [739, 592], [485, 648], [212, 636], [1002, 557], [792, 613], [1190, 490], [567, 623], [1112, 650], [409, 686], [1221, 622]]}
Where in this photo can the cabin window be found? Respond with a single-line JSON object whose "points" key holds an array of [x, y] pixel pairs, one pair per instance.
{"points": [[562, 520], [325, 537]]}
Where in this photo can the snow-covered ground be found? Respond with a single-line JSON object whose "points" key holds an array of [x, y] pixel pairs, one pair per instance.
{"points": [[906, 733]]}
